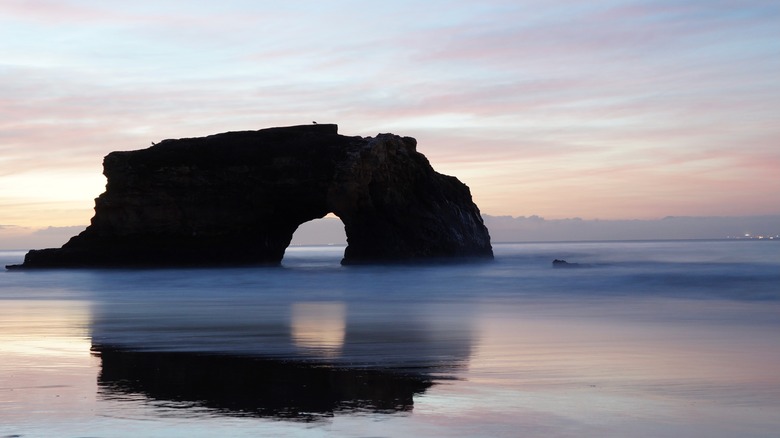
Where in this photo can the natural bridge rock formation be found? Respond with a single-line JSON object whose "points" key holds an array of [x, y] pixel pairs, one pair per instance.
{"points": [[238, 197]]}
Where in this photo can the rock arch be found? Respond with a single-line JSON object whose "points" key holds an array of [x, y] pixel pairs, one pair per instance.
{"points": [[238, 197]]}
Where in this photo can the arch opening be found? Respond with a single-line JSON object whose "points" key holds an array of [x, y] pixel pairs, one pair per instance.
{"points": [[318, 242]]}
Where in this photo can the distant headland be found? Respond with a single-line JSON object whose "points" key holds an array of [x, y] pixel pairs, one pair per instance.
{"points": [[238, 197]]}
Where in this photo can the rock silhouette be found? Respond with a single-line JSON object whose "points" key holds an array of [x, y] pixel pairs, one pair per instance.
{"points": [[256, 387], [238, 197]]}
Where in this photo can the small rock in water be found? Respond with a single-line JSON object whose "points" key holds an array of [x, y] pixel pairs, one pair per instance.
{"points": [[564, 264]]}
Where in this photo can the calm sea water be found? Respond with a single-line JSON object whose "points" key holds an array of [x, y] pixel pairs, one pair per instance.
{"points": [[655, 339]]}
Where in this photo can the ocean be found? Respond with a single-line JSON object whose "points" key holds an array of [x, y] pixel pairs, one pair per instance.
{"points": [[640, 339]]}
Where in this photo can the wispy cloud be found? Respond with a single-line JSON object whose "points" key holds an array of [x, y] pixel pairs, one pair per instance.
{"points": [[602, 109]]}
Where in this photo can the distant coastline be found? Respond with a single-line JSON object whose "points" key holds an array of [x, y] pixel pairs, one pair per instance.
{"points": [[776, 239], [538, 229], [503, 229]]}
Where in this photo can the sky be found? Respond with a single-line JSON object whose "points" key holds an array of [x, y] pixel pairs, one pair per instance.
{"points": [[598, 109]]}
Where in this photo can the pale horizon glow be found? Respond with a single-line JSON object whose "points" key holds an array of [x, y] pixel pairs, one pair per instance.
{"points": [[633, 109]]}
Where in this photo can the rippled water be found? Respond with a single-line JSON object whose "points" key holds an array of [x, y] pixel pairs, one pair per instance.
{"points": [[640, 339]]}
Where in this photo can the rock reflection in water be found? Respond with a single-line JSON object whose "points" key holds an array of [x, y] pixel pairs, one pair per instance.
{"points": [[276, 357], [252, 386]]}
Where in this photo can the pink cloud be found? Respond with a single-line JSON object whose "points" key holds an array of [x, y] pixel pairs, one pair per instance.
{"points": [[52, 11], [524, 36], [511, 94]]}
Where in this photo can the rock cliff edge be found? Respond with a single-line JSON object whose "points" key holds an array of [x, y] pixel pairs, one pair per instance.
{"points": [[238, 197]]}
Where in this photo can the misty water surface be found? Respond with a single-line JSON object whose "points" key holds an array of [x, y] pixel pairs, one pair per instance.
{"points": [[644, 339]]}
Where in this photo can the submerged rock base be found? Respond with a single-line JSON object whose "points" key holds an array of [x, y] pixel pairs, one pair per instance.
{"points": [[238, 197]]}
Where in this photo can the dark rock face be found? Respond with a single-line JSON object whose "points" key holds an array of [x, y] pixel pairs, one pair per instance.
{"points": [[238, 197]]}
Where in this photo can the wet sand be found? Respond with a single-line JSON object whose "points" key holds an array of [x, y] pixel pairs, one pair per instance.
{"points": [[83, 358]]}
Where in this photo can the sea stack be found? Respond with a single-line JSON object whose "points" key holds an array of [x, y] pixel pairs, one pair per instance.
{"points": [[236, 198]]}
